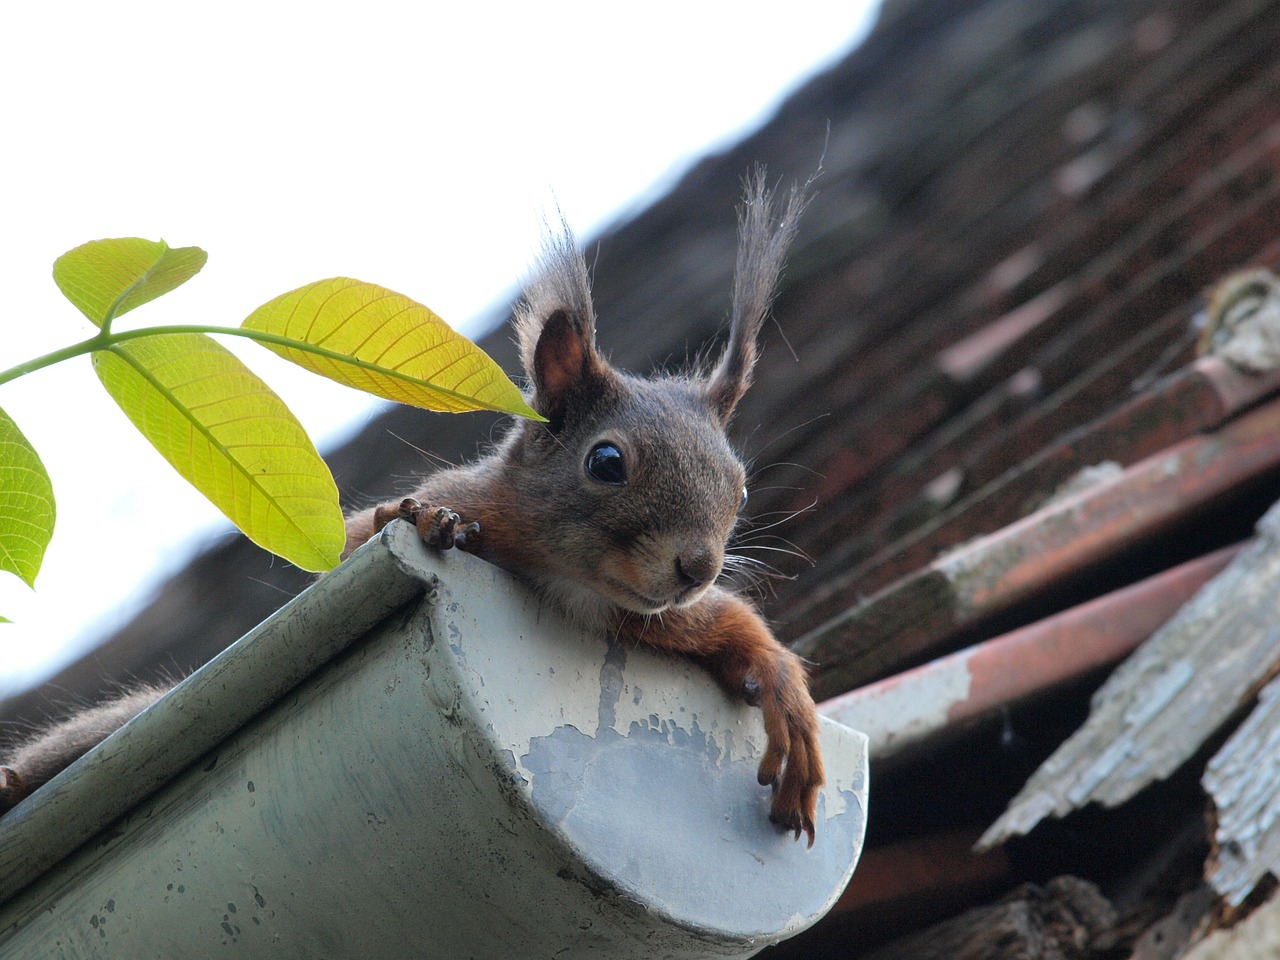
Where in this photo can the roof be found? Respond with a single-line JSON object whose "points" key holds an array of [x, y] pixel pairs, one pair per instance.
{"points": [[985, 417]]}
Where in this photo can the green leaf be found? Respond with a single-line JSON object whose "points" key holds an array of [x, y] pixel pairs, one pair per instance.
{"points": [[384, 343], [26, 504], [107, 278], [228, 434]]}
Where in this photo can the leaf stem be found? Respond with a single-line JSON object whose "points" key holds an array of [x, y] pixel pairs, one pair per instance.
{"points": [[106, 339], [259, 335], [99, 341], [275, 339]]}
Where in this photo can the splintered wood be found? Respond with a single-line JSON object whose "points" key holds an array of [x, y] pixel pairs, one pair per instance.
{"points": [[1243, 781], [1175, 692]]}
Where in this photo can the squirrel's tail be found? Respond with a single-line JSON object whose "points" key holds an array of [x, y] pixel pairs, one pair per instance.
{"points": [[33, 760]]}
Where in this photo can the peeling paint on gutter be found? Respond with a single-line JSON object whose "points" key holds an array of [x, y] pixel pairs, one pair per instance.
{"points": [[462, 776], [231, 690]]}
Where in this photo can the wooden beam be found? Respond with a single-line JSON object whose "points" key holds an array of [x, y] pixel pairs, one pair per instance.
{"points": [[1165, 701]]}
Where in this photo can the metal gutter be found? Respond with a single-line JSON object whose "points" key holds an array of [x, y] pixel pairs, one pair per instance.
{"points": [[468, 778], [209, 706]]}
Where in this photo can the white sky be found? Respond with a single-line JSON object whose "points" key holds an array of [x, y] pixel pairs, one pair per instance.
{"points": [[412, 144]]}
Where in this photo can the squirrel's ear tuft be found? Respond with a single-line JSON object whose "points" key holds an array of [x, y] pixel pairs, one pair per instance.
{"points": [[556, 324], [763, 239], [559, 284]]}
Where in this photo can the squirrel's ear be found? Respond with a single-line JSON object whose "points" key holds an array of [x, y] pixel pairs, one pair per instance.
{"points": [[563, 358], [556, 325], [763, 239]]}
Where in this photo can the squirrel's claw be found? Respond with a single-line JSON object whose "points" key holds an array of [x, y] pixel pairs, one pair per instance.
{"points": [[792, 761], [795, 803], [438, 528], [797, 822], [795, 794]]}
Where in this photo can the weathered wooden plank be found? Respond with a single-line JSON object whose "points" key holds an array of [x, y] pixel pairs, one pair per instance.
{"points": [[1168, 937], [1243, 780], [1175, 692]]}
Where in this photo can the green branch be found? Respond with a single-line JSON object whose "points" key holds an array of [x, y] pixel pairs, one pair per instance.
{"points": [[100, 342], [106, 339]]}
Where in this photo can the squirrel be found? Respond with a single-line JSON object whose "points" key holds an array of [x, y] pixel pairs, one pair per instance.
{"points": [[616, 510]]}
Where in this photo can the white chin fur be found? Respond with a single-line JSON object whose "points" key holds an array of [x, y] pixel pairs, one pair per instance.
{"points": [[594, 611], [584, 606], [688, 601]]}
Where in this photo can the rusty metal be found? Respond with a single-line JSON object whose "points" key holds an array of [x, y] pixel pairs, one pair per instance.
{"points": [[910, 709], [1196, 398], [916, 617]]}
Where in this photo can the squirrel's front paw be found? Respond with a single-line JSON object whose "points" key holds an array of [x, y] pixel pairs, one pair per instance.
{"points": [[792, 762], [440, 527]]}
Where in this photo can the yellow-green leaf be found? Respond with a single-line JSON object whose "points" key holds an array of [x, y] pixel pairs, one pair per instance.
{"points": [[228, 434], [384, 343], [107, 278], [26, 504]]}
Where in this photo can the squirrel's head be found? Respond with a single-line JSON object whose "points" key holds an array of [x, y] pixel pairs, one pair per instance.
{"points": [[636, 477]]}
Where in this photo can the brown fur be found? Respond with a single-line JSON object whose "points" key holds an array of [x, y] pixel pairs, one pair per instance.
{"points": [[725, 634], [637, 559]]}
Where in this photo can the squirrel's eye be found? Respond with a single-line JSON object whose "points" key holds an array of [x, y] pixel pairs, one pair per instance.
{"points": [[743, 502], [605, 463]]}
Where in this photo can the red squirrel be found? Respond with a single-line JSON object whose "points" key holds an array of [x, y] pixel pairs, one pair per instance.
{"points": [[617, 509]]}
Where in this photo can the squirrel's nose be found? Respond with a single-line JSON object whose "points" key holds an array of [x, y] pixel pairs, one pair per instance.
{"points": [[696, 569]]}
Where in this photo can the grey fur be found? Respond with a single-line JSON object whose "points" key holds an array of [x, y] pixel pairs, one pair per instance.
{"points": [[676, 516], [763, 240], [38, 757], [559, 282]]}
